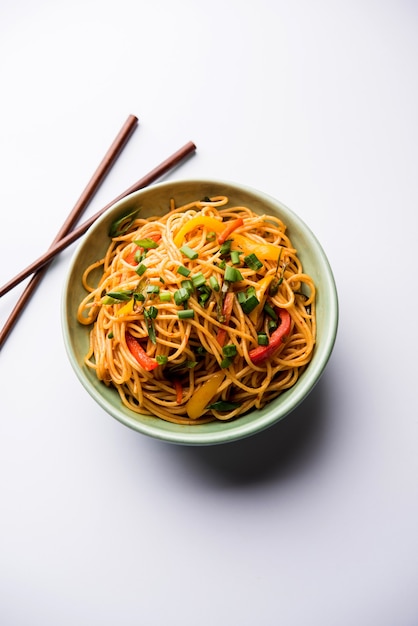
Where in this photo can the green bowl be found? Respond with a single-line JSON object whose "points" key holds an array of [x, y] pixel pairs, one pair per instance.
{"points": [[154, 200]]}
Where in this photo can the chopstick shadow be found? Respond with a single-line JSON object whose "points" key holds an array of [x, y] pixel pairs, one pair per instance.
{"points": [[286, 447]]}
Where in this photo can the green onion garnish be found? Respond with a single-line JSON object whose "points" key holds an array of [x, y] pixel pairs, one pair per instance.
{"points": [[161, 359], [181, 295], [262, 339], [146, 243], [141, 269], [241, 297], [214, 283], [226, 247], [253, 262], [191, 254], [249, 304], [152, 289], [183, 270], [272, 325], [117, 296], [270, 311], [121, 225], [198, 279], [211, 236], [151, 312], [149, 315], [229, 350], [232, 274], [235, 257], [187, 284], [165, 296], [226, 362], [185, 314]]}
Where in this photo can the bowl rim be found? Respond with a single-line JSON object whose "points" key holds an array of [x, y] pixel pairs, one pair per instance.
{"points": [[236, 429]]}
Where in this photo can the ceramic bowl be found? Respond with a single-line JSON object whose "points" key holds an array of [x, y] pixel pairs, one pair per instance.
{"points": [[155, 200]]}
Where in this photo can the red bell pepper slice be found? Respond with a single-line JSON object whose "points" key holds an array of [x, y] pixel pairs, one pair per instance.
{"points": [[262, 353], [229, 228], [179, 391], [226, 312], [137, 351]]}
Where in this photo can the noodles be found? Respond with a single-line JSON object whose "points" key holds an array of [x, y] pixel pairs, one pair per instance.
{"points": [[205, 313]]}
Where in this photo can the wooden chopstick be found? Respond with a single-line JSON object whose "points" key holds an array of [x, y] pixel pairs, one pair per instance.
{"points": [[83, 201], [64, 242]]}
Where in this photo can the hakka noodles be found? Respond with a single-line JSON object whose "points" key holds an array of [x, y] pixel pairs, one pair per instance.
{"points": [[202, 314]]}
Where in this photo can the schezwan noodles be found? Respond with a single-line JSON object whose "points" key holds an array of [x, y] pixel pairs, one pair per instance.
{"points": [[202, 314]]}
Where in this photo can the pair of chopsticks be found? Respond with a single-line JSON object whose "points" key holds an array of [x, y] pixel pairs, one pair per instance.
{"points": [[68, 234]]}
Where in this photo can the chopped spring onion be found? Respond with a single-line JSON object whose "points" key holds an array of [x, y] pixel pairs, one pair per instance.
{"points": [[185, 314], [226, 247], [198, 279], [270, 311], [214, 283], [272, 325], [232, 275], [187, 284], [149, 315], [229, 350], [161, 359], [241, 297], [226, 362], [211, 236], [187, 251], [121, 225], [183, 270], [249, 304], [117, 296], [146, 243], [165, 296], [139, 256], [141, 269], [181, 295], [235, 257], [151, 312], [262, 339], [253, 262], [152, 289]]}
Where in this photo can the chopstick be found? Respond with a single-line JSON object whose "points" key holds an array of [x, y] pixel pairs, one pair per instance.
{"points": [[72, 236], [100, 173]]}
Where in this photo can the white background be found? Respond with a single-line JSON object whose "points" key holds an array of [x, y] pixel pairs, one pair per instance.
{"points": [[313, 522]]}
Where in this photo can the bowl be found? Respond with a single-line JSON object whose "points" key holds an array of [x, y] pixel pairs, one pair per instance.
{"points": [[155, 200]]}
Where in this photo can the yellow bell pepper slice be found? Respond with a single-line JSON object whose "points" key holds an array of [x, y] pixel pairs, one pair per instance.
{"points": [[202, 397], [127, 308], [266, 251], [260, 291], [211, 223]]}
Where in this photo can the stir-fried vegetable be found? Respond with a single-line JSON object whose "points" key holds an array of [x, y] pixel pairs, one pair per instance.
{"points": [[137, 351], [262, 353], [229, 229], [122, 224], [197, 404], [226, 315]]}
